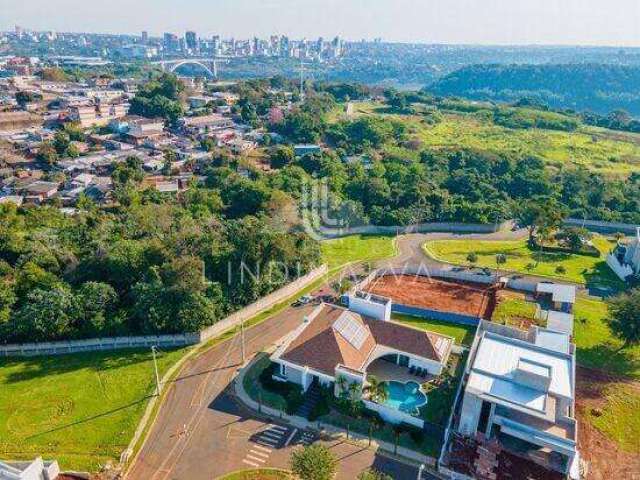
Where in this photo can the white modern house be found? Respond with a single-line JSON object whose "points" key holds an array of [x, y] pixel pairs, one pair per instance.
{"points": [[624, 260], [520, 392], [38, 469], [337, 348]]}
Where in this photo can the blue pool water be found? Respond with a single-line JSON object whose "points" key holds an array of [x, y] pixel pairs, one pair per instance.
{"points": [[405, 397]]}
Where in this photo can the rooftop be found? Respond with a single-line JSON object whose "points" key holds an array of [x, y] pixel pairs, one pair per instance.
{"points": [[336, 336]]}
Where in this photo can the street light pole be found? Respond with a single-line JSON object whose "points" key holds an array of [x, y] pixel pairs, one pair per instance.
{"points": [[242, 341], [155, 367], [420, 471]]}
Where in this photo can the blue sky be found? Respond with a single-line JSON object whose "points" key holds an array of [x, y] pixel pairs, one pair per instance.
{"points": [[591, 22]]}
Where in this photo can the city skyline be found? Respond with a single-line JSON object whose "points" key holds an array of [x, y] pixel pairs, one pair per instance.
{"points": [[493, 22]]}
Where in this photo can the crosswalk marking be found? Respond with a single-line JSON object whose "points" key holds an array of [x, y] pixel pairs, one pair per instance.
{"points": [[265, 442], [277, 427], [260, 454], [253, 464], [256, 459], [268, 450]]}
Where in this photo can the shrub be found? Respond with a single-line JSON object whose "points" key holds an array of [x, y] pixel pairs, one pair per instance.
{"points": [[320, 409], [315, 462], [561, 269], [294, 400]]}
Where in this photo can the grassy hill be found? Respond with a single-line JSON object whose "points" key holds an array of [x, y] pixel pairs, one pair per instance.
{"points": [[604, 151]]}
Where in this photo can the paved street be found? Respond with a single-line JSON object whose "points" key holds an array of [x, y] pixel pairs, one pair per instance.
{"points": [[203, 432]]}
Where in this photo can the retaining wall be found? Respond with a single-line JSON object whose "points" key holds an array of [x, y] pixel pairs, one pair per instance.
{"points": [[603, 227], [445, 227], [435, 315], [166, 341]]}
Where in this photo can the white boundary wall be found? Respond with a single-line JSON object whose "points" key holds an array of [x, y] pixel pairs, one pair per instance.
{"points": [[166, 341]]}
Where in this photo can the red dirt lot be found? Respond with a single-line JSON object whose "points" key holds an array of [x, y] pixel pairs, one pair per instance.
{"points": [[605, 460], [423, 292]]}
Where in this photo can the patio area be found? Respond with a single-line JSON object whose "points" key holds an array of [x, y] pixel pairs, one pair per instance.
{"points": [[386, 371]]}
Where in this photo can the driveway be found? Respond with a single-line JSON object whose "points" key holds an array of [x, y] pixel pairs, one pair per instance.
{"points": [[202, 431]]}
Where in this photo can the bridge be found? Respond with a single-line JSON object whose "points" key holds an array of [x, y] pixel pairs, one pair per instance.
{"points": [[209, 65]]}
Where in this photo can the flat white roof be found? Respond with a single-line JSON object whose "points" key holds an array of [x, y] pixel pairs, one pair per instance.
{"points": [[560, 322], [508, 391], [498, 358], [553, 340], [559, 293]]}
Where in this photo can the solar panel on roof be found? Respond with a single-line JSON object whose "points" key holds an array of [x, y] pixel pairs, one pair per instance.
{"points": [[351, 330]]}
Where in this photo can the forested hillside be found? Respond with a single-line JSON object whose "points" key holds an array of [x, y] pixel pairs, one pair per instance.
{"points": [[597, 87]]}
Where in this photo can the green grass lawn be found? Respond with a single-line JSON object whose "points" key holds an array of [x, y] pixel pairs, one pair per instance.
{"points": [[254, 389], [596, 346], [462, 334], [258, 474], [80, 409], [520, 258], [357, 248], [511, 311], [619, 419]]}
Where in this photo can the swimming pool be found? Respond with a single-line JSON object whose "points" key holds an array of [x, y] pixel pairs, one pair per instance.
{"points": [[405, 397]]}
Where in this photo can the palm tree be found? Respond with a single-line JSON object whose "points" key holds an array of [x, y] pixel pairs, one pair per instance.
{"points": [[341, 381], [377, 389]]}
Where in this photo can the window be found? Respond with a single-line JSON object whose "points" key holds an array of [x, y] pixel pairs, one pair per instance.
{"points": [[283, 370]]}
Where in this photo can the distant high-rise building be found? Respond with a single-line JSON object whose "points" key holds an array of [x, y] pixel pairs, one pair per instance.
{"points": [[215, 45], [191, 41], [255, 48], [284, 46], [170, 42], [145, 37]]}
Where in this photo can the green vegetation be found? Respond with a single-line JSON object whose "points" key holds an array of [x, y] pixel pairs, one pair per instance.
{"points": [[81, 409], [357, 248], [462, 334], [596, 345], [619, 419], [258, 474], [314, 462], [520, 258], [256, 390], [513, 310], [562, 86], [440, 396], [152, 264], [557, 148]]}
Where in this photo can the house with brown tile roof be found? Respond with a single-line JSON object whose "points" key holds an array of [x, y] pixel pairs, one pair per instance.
{"points": [[334, 346]]}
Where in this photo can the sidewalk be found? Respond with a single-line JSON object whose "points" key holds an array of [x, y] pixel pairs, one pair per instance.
{"points": [[404, 455]]}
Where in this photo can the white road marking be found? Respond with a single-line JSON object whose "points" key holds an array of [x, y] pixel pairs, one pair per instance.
{"points": [[286, 444], [266, 442], [251, 463], [256, 459], [271, 436], [260, 454], [277, 427], [268, 450]]}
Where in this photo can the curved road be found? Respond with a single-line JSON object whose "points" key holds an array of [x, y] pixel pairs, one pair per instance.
{"points": [[412, 253]]}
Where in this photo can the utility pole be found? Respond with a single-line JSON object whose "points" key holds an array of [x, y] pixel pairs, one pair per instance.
{"points": [[242, 341], [420, 471], [155, 367]]}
